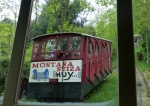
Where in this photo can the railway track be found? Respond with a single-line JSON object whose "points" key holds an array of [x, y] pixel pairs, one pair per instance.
{"points": [[143, 89]]}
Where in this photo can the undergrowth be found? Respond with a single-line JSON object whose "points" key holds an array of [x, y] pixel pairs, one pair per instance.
{"points": [[106, 91]]}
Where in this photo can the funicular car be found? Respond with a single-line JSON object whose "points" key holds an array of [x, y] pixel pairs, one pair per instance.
{"points": [[67, 66]]}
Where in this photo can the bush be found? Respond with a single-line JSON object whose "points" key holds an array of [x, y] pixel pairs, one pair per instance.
{"points": [[4, 64], [26, 69], [140, 56]]}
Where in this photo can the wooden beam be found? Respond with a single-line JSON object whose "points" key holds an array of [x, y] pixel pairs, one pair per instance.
{"points": [[127, 75], [17, 56]]}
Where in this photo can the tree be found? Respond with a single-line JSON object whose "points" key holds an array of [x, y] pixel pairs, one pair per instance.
{"points": [[88, 29], [7, 36], [142, 24], [107, 28], [59, 16], [7, 27], [13, 7]]}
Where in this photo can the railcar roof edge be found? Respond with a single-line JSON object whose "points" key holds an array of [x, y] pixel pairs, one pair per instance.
{"points": [[82, 34]]}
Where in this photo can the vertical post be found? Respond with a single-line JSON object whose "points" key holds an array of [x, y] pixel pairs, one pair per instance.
{"points": [[17, 53], [127, 79]]}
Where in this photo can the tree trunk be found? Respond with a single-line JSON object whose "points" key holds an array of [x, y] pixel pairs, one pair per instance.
{"points": [[147, 47]]}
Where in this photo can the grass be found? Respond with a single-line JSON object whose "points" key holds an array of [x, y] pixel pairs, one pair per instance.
{"points": [[24, 99], [106, 91], [142, 66], [115, 62]]}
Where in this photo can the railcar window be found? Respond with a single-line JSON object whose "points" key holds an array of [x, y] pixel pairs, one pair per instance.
{"points": [[75, 43], [43, 47], [62, 44], [36, 48], [51, 45], [49, 56], [75, 54]]}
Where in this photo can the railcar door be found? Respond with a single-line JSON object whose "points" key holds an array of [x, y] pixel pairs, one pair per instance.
{"points": [[97, 62], [91, 71], [106, 58], [102, 58], [103, 51], [68, 51]]}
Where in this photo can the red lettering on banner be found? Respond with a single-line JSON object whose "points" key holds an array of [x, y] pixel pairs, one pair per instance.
{"points": [[47, 64], [58, 68], [53, 63], [58, 64], [64, 64], [71, 68], [70, 64], [42, 65], [35, 65], [63, 68], [77, 68], [67, 68]]}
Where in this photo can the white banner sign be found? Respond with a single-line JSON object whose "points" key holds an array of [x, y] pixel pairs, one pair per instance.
{"points": [[63, 71]]}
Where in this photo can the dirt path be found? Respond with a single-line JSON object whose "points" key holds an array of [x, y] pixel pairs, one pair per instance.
{"points": [[142, 91]]}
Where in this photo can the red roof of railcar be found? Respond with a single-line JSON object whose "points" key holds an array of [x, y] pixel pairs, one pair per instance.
{"points": [[81, 34]]}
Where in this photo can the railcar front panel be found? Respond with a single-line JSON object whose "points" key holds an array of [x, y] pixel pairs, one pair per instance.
{"points": [[58, 71]]}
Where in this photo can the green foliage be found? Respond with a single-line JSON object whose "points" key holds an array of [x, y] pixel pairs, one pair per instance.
{"points": [[140, 15], [140, 56], [4, 63], [142, 65], [26, 70], [86, 29], [7, 27], [142, 26], [59, 16], [28, 51], [38, 27], [106, 91], [26, 67], [106, 3], [66, 27], [25, 99], [115, 62], [6, 35], [107, 28]]}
